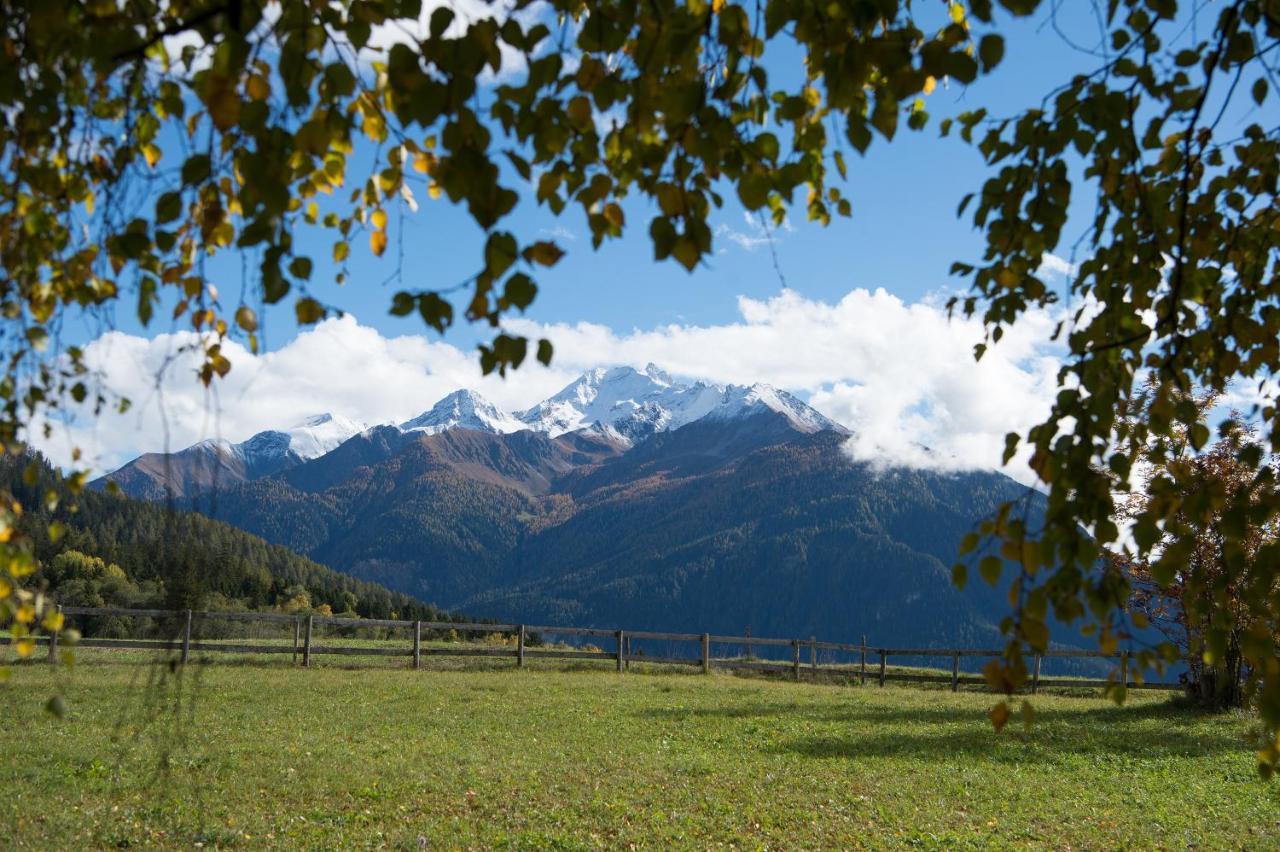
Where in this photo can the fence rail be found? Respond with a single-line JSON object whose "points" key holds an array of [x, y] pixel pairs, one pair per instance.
{"points": [[303, 628]]}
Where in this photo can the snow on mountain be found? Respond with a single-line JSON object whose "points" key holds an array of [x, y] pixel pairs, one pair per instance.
{"points": [[321, 433], [309, 439], [637, 403], [463, 409], [738, 401], [633, 402], [621, 405]]}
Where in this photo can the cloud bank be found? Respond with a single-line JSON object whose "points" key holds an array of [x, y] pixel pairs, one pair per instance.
{"points": [[900, 375]]}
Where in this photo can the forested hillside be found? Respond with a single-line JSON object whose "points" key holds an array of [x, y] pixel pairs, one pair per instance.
{"points": [[177, 559], [788, 539]]}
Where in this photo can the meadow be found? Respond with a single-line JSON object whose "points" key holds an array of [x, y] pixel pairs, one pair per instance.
{"points": [[247, 753]]}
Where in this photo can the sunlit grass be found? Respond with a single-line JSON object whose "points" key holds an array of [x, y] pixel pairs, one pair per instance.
{"points": [[474, 753]]}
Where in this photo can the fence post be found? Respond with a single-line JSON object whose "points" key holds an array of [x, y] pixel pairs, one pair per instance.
{"points": [[706, 653], [53, 642], [186, 638], [955, 672], [520, 646], [813, 655], [882, 659], [1124, 669], [417, 644], [795, 659], [626, 659], [1035, 675], [297, 632], [306, 648], [621, 646], [862, 678]]}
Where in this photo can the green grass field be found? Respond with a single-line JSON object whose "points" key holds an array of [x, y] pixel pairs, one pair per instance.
{"points": [[560, 756]]}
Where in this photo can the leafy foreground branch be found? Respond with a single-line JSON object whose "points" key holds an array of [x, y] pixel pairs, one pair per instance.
{"points": [[1178, 290]]}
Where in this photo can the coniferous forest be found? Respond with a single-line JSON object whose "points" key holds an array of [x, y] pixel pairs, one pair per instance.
{"points": [[103, 549]]}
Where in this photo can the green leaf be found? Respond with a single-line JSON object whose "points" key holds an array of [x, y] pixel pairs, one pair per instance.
{"points": [[402, 304], [499, 253], [196, 169], [168, 207], [990, 567], [519, 291], [990, 51], [436, 311], [301, 268]]}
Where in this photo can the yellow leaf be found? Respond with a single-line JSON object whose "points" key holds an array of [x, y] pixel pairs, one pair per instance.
{"points": [[53, 621], [258, 87], [929, 85], [378, 242], [717, 6], [613, 214], [246, 319], [957, 13], [26, 614], [434, 190], [999, 715], [152, 154], [24, 647], [379, 219], [1028, 715]]}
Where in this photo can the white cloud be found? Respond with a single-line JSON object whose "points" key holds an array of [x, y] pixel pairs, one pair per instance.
{"points": [[902, 376], [755, 235], [899, 374], [1052, 266], [559, 232], [339, 366]]}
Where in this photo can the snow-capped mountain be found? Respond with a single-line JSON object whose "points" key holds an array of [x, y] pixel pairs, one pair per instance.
{"points": [[636, 403], [219, 463], [464, 409], [739, 400], [622, 405], [310, 439]]}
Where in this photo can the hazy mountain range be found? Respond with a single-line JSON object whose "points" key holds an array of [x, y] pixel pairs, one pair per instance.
{"points": [[628, 498]]}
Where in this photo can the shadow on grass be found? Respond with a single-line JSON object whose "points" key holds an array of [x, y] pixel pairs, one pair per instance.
{"points": [[1158, 729]]}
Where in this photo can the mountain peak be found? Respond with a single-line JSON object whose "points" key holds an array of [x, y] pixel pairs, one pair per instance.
{"points": [[464, 409], [740, 400]]}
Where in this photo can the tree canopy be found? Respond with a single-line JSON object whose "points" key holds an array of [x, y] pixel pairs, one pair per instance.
{"points": [[140, 138]]}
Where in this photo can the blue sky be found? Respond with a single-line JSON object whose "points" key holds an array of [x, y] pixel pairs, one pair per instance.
{"points": [[857, 330], [903, 235]]}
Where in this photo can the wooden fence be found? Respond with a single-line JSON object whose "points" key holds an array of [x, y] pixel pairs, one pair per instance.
{"points": [[622, 654]]}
